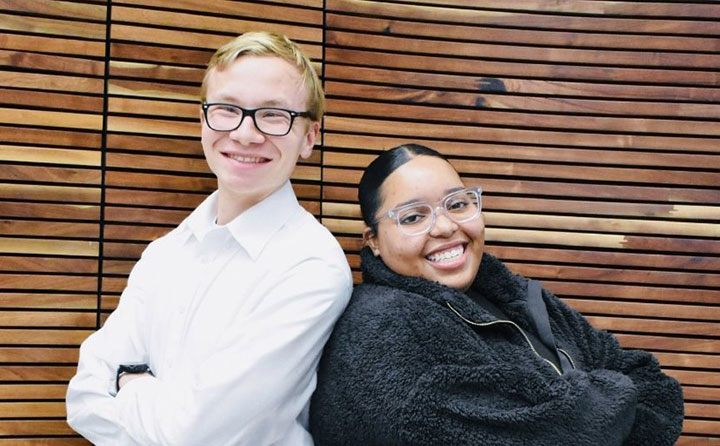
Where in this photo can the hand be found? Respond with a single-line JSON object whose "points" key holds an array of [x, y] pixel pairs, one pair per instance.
{"points": [[127, 377]]}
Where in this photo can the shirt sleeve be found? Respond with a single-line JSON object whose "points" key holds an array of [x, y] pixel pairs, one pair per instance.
{"points": [[659, 408], [260, 377], [90, 400]]}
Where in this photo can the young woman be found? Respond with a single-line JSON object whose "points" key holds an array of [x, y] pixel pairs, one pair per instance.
{"points": [[443, 345]]}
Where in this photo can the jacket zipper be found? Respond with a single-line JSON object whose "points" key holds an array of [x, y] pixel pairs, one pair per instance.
{"points": [[505, 321], [567, 355]]}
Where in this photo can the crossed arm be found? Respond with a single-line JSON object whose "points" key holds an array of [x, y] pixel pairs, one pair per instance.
{"points": [[618, 397]]}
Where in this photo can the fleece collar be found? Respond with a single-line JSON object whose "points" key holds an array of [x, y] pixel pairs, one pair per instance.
{"points": [[494, 281]]}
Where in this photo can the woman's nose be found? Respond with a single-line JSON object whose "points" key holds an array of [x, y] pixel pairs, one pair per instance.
{"points": [[443, 225]]}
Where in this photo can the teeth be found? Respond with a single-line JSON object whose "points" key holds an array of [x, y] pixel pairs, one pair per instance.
{"points": [[246, 159], [446, 256]]}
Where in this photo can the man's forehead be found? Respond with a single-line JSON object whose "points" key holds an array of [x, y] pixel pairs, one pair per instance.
{"points": [[271, 80], [251, 90], [268, 65]]}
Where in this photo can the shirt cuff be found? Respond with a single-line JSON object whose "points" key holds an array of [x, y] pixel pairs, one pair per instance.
{"points": [[134, 401]]}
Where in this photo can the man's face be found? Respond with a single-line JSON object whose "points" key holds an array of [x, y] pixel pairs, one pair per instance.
{"points": [[250, 165]]}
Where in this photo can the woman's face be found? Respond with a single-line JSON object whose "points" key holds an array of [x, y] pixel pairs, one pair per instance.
{"points": [[450, 253]]}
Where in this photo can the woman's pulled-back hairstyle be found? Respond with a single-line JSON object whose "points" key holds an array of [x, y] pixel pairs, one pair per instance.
{"points": [[376, 173]]}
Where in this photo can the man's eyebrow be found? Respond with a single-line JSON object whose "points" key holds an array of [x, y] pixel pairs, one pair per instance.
{"points": [[276, 103]]}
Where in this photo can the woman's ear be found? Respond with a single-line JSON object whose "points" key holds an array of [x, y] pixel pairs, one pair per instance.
{"points": [[370, 239]]}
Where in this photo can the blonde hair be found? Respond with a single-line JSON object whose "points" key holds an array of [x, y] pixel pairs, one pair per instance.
{"points": [[264, 43]]}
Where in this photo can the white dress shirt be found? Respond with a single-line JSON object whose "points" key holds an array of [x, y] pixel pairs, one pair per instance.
{"points": [[232, 321]]}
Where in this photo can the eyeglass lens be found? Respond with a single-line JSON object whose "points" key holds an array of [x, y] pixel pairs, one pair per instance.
{"points": [[460, 207], [272, 121]]}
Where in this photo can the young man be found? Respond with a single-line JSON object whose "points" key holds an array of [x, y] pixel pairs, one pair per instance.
{"points": [[218, 334]]}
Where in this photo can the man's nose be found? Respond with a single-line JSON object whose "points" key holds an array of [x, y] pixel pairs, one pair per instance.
{"points": [[247, 132]]}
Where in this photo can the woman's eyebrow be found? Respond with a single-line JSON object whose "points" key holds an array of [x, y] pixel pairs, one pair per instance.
{"points": [[416, 200], [453, 189], [413, 201]]}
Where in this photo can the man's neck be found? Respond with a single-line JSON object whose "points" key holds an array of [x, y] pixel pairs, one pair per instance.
{"points": [[230, 206]]}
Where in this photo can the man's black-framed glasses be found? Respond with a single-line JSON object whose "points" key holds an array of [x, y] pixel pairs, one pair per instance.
{"points": [[268, 120]]}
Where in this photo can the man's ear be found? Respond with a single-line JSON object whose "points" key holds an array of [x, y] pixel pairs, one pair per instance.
{"points": [[370, 239], [311, 137]]}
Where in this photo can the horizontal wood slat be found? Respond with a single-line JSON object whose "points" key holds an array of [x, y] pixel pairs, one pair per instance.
{"points": [[492, 68], [52, 45], [613, 8], [530, 16], [262, 12], [33, 441], [598, 57], [570, 88], [467, 132], [500, 102], [32, 391], [34, 427], [544, 37]]}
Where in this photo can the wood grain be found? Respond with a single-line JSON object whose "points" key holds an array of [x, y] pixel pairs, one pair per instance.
{"points": [[57, 8], [530, 54], [64, 45], [492, 68], [246, 9], [467, 132], [17, 23], [46, 319], [440, 12], [557, 38], [476, 83]]}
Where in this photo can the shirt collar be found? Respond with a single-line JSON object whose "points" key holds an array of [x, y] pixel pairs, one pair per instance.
{"points": [[202, 219], [253, 228]]}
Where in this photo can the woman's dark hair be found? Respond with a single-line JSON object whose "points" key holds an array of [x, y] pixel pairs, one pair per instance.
{"points": [[378, 170]]}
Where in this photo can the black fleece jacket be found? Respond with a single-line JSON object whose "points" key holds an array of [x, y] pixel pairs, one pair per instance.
{"points": [[413, 362]]}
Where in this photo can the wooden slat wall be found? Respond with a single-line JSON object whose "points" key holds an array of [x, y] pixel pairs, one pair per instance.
{"points": [[591, 125], [52, 64]]}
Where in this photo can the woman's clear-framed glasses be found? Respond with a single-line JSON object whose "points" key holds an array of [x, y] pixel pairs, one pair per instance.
{"points": [[419, 218], [268, 120]]}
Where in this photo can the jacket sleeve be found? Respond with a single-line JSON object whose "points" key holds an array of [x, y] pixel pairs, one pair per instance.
{"points": [[502, 404], [659, 408], [260, 377]]}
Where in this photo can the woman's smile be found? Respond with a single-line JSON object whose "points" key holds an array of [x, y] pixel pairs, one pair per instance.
{"points": [[448, 257]]}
